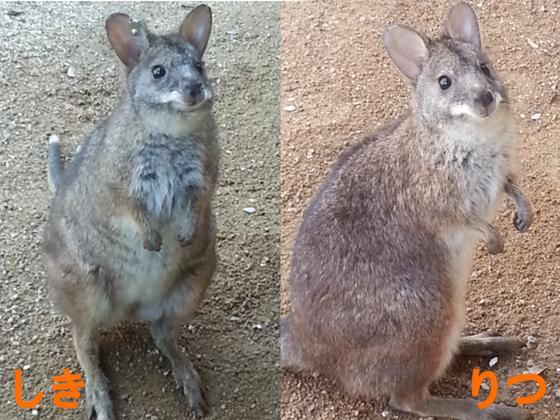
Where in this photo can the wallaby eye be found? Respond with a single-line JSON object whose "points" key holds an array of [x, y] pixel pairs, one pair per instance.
{"points": [[444, 82], [158, 71], [199, 67], [485, 69]]}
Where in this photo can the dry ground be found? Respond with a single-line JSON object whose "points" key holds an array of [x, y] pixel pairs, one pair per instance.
{"points": [[39, 98], [342, 85]]}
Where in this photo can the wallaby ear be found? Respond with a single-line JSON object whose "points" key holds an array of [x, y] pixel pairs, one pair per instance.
{"points": [[461, 24], [127, 38], [407, 49], [196, 27]]}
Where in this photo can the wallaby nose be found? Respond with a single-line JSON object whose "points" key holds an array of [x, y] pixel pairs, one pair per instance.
{"points": [[194, 89], [485, 99]]}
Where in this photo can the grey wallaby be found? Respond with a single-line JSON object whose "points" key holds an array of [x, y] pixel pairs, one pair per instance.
{"points": [[384, 251], [131, 233]]}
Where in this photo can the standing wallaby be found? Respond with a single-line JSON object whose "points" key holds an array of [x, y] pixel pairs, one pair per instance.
{"points": [[131, 234], [384, 251]]}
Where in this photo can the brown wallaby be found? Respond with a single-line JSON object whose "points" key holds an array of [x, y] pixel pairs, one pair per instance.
{"points": [[131, 234], [384, 251]]}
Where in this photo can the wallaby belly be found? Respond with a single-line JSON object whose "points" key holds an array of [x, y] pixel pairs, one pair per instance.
{"points": [[145, 278]]}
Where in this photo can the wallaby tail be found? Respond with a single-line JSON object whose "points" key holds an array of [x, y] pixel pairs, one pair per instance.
{"points": [[55, 164], [291, 356]]}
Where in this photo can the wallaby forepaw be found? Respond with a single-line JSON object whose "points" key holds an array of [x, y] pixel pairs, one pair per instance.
{"points": [[522, 220], [153, 241], [186, 234], [194, 390]]}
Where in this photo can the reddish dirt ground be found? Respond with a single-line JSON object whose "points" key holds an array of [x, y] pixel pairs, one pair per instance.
{"points": [[342, 85]]}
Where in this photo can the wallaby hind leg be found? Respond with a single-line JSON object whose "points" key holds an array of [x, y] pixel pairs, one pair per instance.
{"points": [[290, 353], [164, 333], [458, 409], [487, 345], [98, 401]]}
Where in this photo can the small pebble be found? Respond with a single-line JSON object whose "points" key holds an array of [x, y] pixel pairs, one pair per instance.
{"points": [[257, 327], [249, 210], [531, 339], [384, 414], [71, 72], [493, 361], [34, 412], [289, 108], [485, 386], [536, 116], [532, 43]]}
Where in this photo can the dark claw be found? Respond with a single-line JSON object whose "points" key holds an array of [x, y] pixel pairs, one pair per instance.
{"points": [[184, 241], [201, 409], [153, 243], [519, 223], [196, 396], [152, 247]]}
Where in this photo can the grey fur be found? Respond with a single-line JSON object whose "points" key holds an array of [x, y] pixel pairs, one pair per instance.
{"points": [[384, 250], [131, 234]]}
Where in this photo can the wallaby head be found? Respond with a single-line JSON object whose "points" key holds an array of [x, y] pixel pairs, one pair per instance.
{"points": [[164, 73], [452, 77]]}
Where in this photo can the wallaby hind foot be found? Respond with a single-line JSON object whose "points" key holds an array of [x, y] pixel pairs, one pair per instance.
{"points": [[458, 409], [164, 333], [486, 345], [98, 401]]}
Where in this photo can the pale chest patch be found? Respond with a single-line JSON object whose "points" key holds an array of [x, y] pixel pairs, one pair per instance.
{"points": [[143, 275], [482, 156]]}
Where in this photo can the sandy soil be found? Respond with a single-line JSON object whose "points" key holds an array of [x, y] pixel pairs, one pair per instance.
{"points": [[342, 85], [233, 341]]}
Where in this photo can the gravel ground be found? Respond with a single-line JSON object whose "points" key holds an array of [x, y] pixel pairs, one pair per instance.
{"points": [[338, 84], [59, 76]]}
